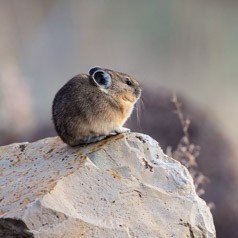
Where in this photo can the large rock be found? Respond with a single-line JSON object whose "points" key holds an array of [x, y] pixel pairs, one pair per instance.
{"points": [[120, 187]]}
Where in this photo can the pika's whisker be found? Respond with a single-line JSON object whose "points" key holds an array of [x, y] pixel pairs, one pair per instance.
{"points": [[139, 104]]}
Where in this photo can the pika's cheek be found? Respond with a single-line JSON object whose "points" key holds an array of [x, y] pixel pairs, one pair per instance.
{"points": [[129, 96]]}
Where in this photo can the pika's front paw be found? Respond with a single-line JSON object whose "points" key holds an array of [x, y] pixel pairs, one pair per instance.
{"points": [[122, 130]]}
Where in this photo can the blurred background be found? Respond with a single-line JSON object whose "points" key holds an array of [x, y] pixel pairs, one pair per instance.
{"points": [[186, 46]]}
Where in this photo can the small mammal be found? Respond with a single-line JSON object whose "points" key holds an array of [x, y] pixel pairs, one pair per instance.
{"points": [[91, 107]]}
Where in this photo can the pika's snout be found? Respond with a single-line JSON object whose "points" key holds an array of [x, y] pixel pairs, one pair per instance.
{"points": [[138, 91]]}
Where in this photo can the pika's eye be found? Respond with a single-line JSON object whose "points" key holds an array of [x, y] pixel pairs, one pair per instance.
{"points": [[128, 82], [102, 79]]}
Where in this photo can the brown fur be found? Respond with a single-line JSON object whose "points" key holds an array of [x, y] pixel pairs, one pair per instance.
{"points": [[84, 113]]}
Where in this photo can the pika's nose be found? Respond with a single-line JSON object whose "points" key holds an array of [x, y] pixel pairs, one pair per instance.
{"points": [[138, 91]]}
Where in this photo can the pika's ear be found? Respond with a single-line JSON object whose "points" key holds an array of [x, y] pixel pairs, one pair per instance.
{"points": [[92, 70], [101, 78]]}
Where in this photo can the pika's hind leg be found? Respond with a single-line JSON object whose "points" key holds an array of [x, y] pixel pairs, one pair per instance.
{"points": [[88, 140], [93, 139]]}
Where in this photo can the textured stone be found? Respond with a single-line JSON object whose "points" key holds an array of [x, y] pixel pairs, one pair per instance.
{"points": [[120, 187]]}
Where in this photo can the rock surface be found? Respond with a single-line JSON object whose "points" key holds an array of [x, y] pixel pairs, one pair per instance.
{"points": [[120, 187]]}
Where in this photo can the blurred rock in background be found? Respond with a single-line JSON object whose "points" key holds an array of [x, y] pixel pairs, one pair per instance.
{"points": [[186, 46]]}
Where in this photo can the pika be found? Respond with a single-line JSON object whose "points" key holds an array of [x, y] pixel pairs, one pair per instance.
{"points": [[93, 106]]}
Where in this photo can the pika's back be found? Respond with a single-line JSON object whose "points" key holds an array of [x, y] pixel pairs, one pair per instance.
{"points": [[94, 104], [76, 93]]}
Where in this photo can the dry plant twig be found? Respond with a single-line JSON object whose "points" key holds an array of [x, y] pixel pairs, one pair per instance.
{"points": [[186, 152]]}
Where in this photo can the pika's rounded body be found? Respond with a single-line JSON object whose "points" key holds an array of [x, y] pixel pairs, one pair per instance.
{"points": [[90, 107]]}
